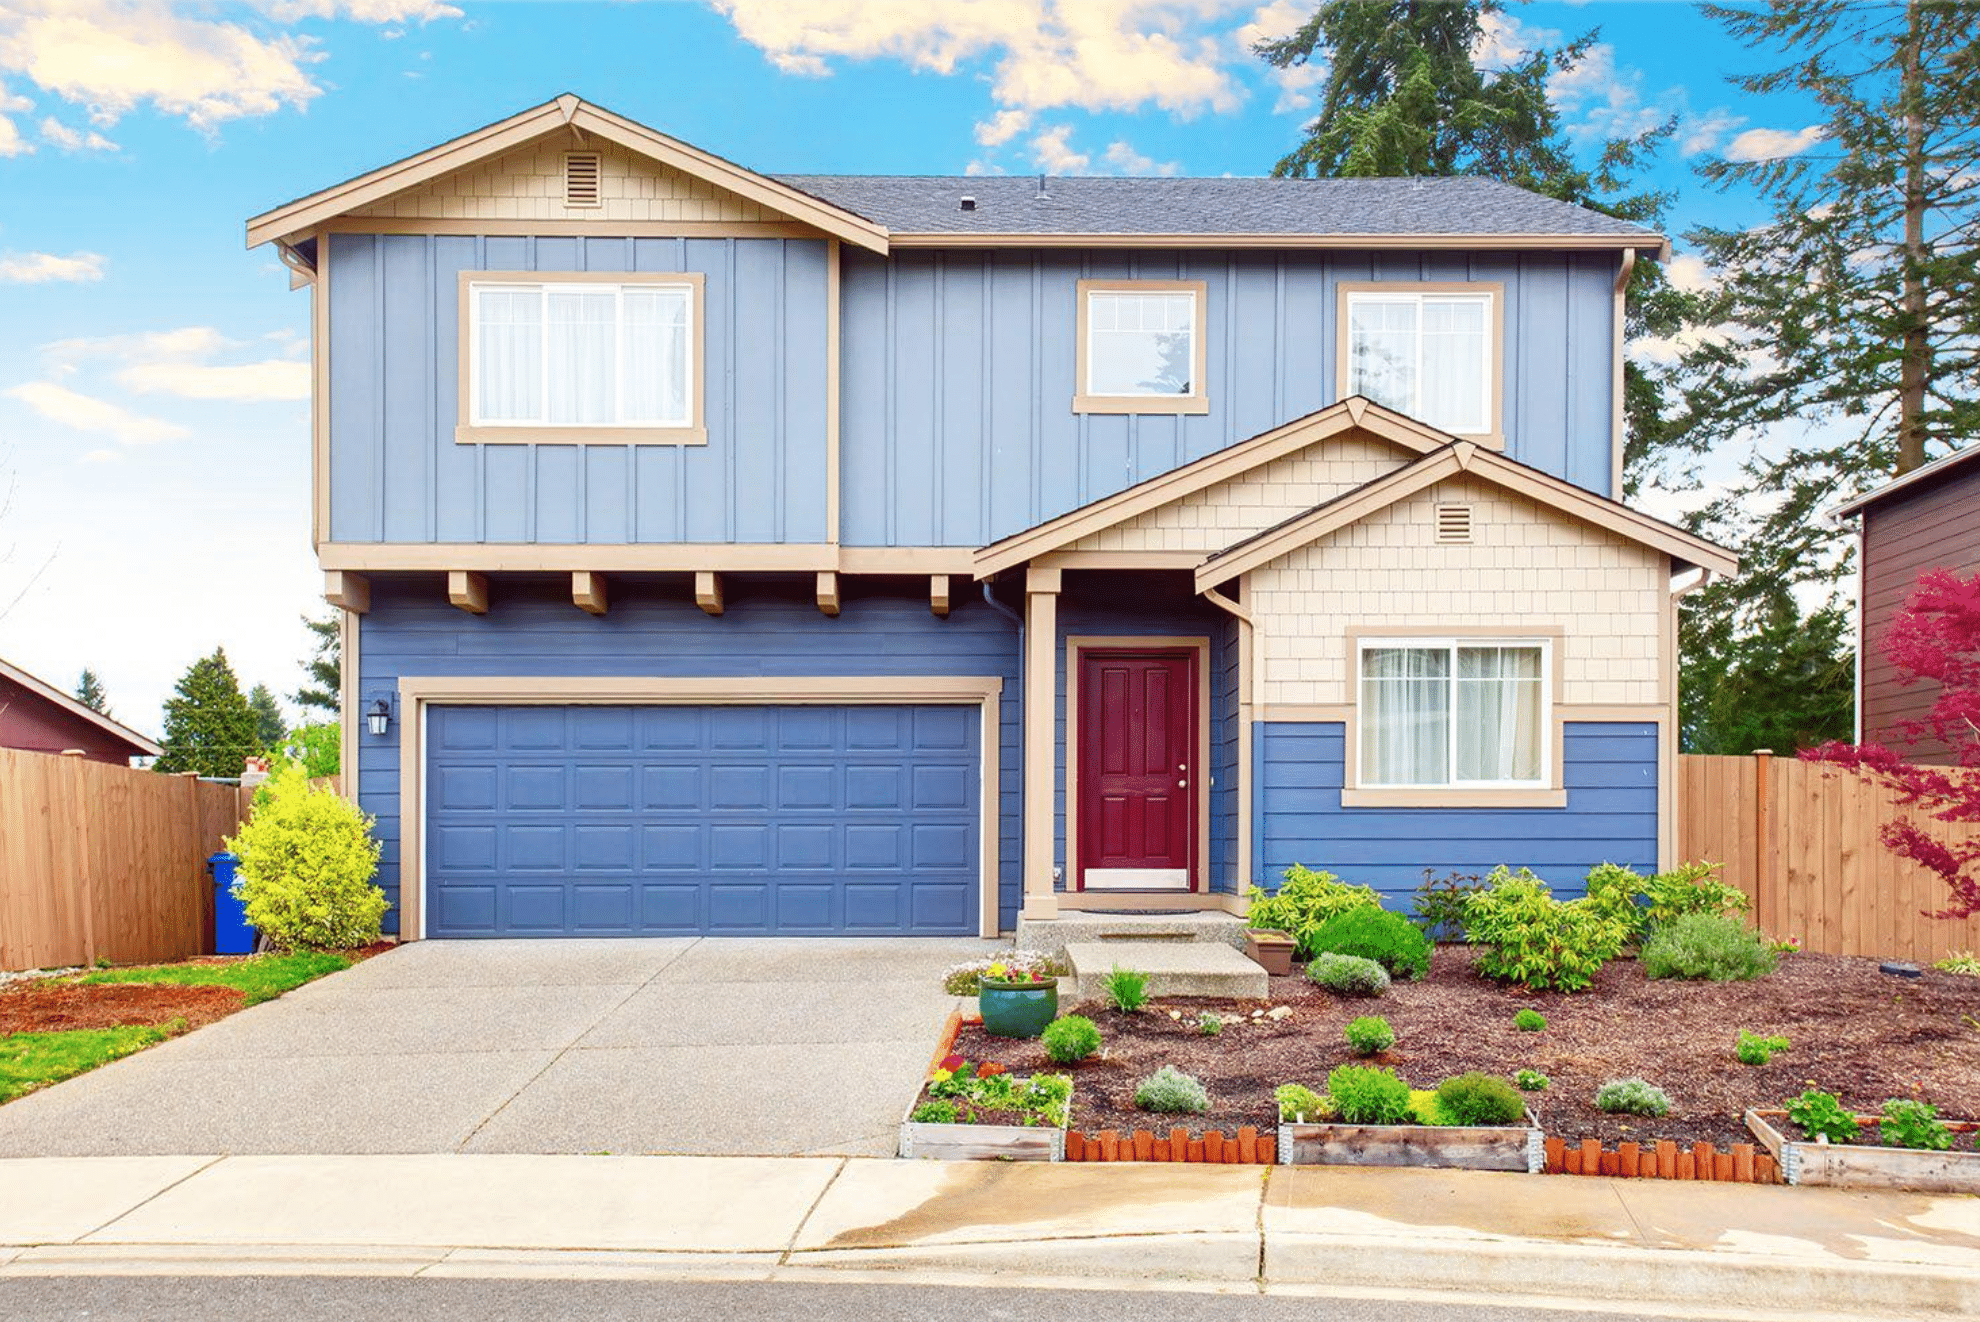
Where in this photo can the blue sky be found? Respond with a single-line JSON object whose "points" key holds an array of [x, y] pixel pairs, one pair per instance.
{"points": [[153, 381]]}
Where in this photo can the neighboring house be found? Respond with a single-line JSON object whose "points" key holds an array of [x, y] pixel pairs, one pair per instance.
{"points": [[1927, 519], [728, 552], [37, 717]]}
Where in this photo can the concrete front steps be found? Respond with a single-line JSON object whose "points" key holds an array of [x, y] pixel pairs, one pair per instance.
{"points": [[1174, 968], [1052, 935]]}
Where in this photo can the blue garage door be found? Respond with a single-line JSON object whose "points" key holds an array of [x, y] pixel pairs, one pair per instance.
{"points": [[623, 821]]}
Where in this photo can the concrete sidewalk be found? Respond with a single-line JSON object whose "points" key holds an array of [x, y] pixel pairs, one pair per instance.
{"points": [[1418, 1233]]}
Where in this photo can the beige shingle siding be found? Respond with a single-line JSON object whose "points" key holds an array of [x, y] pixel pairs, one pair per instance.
{"points": [[1526, 567], [528, 184]]}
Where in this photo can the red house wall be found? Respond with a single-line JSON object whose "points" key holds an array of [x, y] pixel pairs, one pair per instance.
{"points": [[30, 721]]}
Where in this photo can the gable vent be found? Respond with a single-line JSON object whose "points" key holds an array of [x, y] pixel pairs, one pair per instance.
{"points": [[582, 173], [1454, 523]]}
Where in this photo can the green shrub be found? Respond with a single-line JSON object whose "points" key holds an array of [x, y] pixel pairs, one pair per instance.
{"points": [[1909, 1124], [934, 1113], [1071, 1039], [1960, 961], [307, 859], [317, 746], [1529, 1021], [1632, 1097], [1528, 936], [1209, 1024], [1387, 938], [1368, 1095], [1298, 1103], [1370, 1035], [1820, 1113], [1691, 888], [1613, 891], [1531, 1080], [1479, 1099], [1304, 900], [1703, 945], [1756, 1050], [1127, 990], [1170, 1090], [1439, 904], [1349, 975]]}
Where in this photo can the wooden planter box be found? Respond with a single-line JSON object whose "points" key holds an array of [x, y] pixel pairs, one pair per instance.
{"points": [[1479, 1148], [1846, 1165], [982, 1142]]}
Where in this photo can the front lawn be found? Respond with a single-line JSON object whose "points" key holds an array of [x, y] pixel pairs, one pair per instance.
{"points": [[258, 978], [34, 1060]]}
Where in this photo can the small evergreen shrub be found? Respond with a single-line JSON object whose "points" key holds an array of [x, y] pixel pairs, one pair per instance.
{"points": [[1756, 1050], [1298, 1103], [1527, 936], [1632, 1097], [1439, 904], [1822, 1114], [1703, 945], [1304, 900], [1127, 990], [1348, 975], [1479, 1099], [1071, 1039], [307, 859], [1531, 1080], [1370, 1035], [1171, 1091], [1368, 1095], [934, 1113], [1387, 938], [1529, 1021], [1909, 1124]]}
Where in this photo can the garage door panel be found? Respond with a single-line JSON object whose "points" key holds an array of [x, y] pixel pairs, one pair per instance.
{"points": [[738, 820]]}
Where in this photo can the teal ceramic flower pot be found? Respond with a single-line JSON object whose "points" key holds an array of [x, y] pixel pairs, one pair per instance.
{"points": [[1018, 1009]]}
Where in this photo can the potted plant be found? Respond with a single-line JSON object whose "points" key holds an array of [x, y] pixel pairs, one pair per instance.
{"points": [[1017, 1000], [1270, 949], [1277, 919]]}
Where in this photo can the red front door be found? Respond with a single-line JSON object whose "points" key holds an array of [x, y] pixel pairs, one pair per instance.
{"points": [[1137, 773]]}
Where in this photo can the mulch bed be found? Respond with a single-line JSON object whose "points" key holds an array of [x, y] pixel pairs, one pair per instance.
{"points": [[1854, 1031], [56, 1006]]}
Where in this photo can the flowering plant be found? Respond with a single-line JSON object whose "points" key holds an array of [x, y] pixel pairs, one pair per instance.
{"points": [[1014, 971]]}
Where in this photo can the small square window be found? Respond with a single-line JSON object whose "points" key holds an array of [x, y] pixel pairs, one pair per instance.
{"points": [[1141, 347]]}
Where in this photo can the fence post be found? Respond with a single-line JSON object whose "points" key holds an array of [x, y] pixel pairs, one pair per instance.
{"points": [[85, 882], [1763, 832]]}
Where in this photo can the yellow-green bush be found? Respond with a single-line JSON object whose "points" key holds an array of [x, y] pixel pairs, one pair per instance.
{"points": [[307, 859]]}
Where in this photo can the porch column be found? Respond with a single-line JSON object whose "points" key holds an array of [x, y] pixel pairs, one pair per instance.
{"points": [[1041, 649]]}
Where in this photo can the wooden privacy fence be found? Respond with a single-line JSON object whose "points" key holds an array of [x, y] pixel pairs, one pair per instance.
{"points": [[105, 862], [1804, 842]]}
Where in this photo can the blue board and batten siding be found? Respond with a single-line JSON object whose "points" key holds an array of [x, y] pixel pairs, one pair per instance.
{"points": [[398, 475], [1610, 772]]}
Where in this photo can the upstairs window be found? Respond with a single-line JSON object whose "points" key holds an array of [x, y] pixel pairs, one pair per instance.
{"points": [[1453, 713], [571, 356], [1429, 355], [1141, 347]]}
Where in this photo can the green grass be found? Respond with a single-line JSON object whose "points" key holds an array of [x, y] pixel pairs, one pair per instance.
{"points": [[33, 1060], [259, 979]]}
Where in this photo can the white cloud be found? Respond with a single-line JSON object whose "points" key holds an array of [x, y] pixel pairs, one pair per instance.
{"points": [[11, 141], [1774, 144], [1503, 41], [86, 413], [179, 362], [1001, 127], [363, 11], [1122, 158], [1688, 271], [1701, 133], [40, 268], [68, 139], [1600, 100], [1052, 152]]}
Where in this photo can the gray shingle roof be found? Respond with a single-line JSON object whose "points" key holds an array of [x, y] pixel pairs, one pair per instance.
{"points": [[1010, 204]]}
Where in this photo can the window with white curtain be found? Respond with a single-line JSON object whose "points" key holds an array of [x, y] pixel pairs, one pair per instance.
{"points": [[1453, 712], [581, 354], [1427, 355]]}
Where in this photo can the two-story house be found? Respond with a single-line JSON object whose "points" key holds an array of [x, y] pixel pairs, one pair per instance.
{"points": [[739, 553]]}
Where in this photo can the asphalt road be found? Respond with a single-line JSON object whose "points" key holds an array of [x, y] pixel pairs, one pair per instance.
{"points": [[360, 1299]]}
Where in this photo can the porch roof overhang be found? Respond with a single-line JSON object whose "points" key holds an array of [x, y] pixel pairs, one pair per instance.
{"points": [[1352, 414]]}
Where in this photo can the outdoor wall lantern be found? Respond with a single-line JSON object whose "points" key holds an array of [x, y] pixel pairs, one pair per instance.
{"points": [[378, 718]]}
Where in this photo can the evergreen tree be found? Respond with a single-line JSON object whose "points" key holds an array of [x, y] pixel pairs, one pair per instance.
{"points": [[209, 727], [323, 668], [269, 727], [89, 692], [1787, 685]]}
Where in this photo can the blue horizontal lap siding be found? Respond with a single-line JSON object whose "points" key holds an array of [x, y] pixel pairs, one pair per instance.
{"points": [[616, 821], [770, 627], [1610, 773]]}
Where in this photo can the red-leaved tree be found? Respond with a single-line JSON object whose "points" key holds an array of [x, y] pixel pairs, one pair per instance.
{"points": [[1937, 637]]}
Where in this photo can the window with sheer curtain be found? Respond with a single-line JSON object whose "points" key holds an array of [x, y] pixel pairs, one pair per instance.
{"points": [[582, 355], [1453, 713], [1425, 355]]}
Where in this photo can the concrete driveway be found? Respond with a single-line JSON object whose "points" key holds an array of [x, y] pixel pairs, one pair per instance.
{"points": [[737, 1046]]}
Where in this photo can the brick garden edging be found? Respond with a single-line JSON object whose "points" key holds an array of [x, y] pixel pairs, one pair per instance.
{"points": [[1661, 1159]]}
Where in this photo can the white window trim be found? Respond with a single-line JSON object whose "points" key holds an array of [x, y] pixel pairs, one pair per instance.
{"points": [[470, 429], [1451, 644], [1415, 291], [1198, 398]]}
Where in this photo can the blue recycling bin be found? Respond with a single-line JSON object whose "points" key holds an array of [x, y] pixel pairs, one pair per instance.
{"points": [[231, 933]]}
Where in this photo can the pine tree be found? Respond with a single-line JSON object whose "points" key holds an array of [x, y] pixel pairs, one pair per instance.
{"points": [[1790, 684], [324, 669], [89, 692], [269, 727], [209, 727]]}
